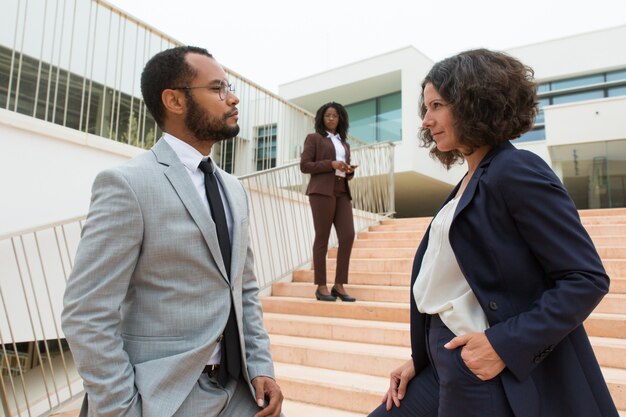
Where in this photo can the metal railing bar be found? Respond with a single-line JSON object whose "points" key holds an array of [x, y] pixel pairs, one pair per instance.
{"points": [[21, 59], [34, 229], [50, 66], [43, 38], [19, 365], [54, 322], [32, 323], [69, 65]]}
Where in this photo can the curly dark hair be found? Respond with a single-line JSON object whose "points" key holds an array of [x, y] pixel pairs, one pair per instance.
{"points": [[342, 126], [492, 96], [165, 70]]}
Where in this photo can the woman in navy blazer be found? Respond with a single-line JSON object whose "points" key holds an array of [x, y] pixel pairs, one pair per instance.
{"points": [[520, 246]]}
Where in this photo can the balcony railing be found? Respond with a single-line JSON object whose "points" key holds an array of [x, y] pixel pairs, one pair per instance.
{"points": [[78, 63], [37, 370]]}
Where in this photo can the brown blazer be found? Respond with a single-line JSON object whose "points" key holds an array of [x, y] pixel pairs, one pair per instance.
{"points": [[316, 159]]}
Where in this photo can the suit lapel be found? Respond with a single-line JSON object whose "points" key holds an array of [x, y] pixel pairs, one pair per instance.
{"points": [[470, 190], [177, 175]]}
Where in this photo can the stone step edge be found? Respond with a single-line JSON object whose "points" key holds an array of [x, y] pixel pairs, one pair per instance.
{"points": [[357, 303], [391, 325], [331, 378], [302, 409], [341, 346]]}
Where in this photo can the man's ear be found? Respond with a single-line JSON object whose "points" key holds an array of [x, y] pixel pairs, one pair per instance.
{"points": [[174, 101]]}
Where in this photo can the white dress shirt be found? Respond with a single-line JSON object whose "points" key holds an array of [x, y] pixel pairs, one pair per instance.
{"points": [[190, 157], [340, 151]]}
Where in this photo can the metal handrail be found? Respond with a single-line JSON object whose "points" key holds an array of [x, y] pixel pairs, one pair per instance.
{"points": [[35, 264], [281, 222]]}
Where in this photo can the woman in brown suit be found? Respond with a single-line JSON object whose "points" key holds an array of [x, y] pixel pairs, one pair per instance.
{"points": [[326, 156]]}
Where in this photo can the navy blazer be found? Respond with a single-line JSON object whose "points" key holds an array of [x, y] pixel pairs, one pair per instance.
{"points": [[519, 242]]}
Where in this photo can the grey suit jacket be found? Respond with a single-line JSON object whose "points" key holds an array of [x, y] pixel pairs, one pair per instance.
{"points": [[148, 296]]}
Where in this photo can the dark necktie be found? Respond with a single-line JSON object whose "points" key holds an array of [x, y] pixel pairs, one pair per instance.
{"points": [[230, 362]]}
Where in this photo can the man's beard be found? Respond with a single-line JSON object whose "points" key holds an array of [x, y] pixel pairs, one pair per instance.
{"points": [[205, 126]]}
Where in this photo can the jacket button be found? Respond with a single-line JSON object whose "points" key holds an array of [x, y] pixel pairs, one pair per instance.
{"points": [[493, 305], [537, 359]]}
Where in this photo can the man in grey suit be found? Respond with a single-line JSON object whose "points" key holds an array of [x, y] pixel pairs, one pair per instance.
{"points": [[152, 296]]}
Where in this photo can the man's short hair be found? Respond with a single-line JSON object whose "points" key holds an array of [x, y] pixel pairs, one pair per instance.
{"points": [[165, 70]]}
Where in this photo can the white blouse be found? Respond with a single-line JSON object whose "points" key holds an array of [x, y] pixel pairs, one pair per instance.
{"points": [[441, 287], [340, 151]]}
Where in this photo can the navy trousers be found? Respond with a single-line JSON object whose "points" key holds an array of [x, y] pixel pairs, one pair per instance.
{"points": [[448, 388]]}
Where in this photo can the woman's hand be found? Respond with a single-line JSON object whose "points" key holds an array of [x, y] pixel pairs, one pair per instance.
{"points": [[342, 166], [478, 355], [399, 379]]}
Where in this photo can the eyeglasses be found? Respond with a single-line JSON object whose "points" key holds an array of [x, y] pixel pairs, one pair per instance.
{"points": [[222, 89]]}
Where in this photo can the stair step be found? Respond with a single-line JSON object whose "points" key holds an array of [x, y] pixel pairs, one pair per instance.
{"points": [[606, 325], [408, 220], [612, 252], [614, 267], [618, 286], [383, 252], [404, 265], [610, 240], [391, 235], [327, 388], [386, 243], [616, 380], [300, 409], [362, 310], [365, 278], [612, 304], [602, 212], [360, 292], [589, 220], [399, 227], [339, 329], [606, 229], [363, 358], [611, 352]]}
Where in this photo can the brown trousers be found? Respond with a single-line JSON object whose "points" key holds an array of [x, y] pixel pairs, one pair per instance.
{"points": [[327, 211]]}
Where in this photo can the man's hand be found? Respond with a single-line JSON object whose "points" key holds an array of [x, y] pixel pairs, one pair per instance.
{"points": [[266, 388], [478, 355], [398, 380]]}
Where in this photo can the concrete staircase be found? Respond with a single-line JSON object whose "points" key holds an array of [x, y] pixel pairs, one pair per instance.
{"points": [[338, 355]]}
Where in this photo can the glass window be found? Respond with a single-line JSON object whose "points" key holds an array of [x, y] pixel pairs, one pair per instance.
{"points": [[540, 115], [542, 88], [390, 118], [617, 91], [363, 120], [593, 173], [577, 82], [532, 136], [616, 75], [265, 147], [378, 119], [570, 98]]}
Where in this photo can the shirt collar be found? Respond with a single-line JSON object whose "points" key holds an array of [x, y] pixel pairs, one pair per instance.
{"points": [[188, 155], [331, 136]]}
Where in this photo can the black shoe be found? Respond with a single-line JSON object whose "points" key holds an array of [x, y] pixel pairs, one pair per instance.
{"points": [[344, 297], [324, 297]]}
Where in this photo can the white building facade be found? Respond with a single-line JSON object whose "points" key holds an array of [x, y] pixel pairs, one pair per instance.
{"points": [[580, 130]]}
